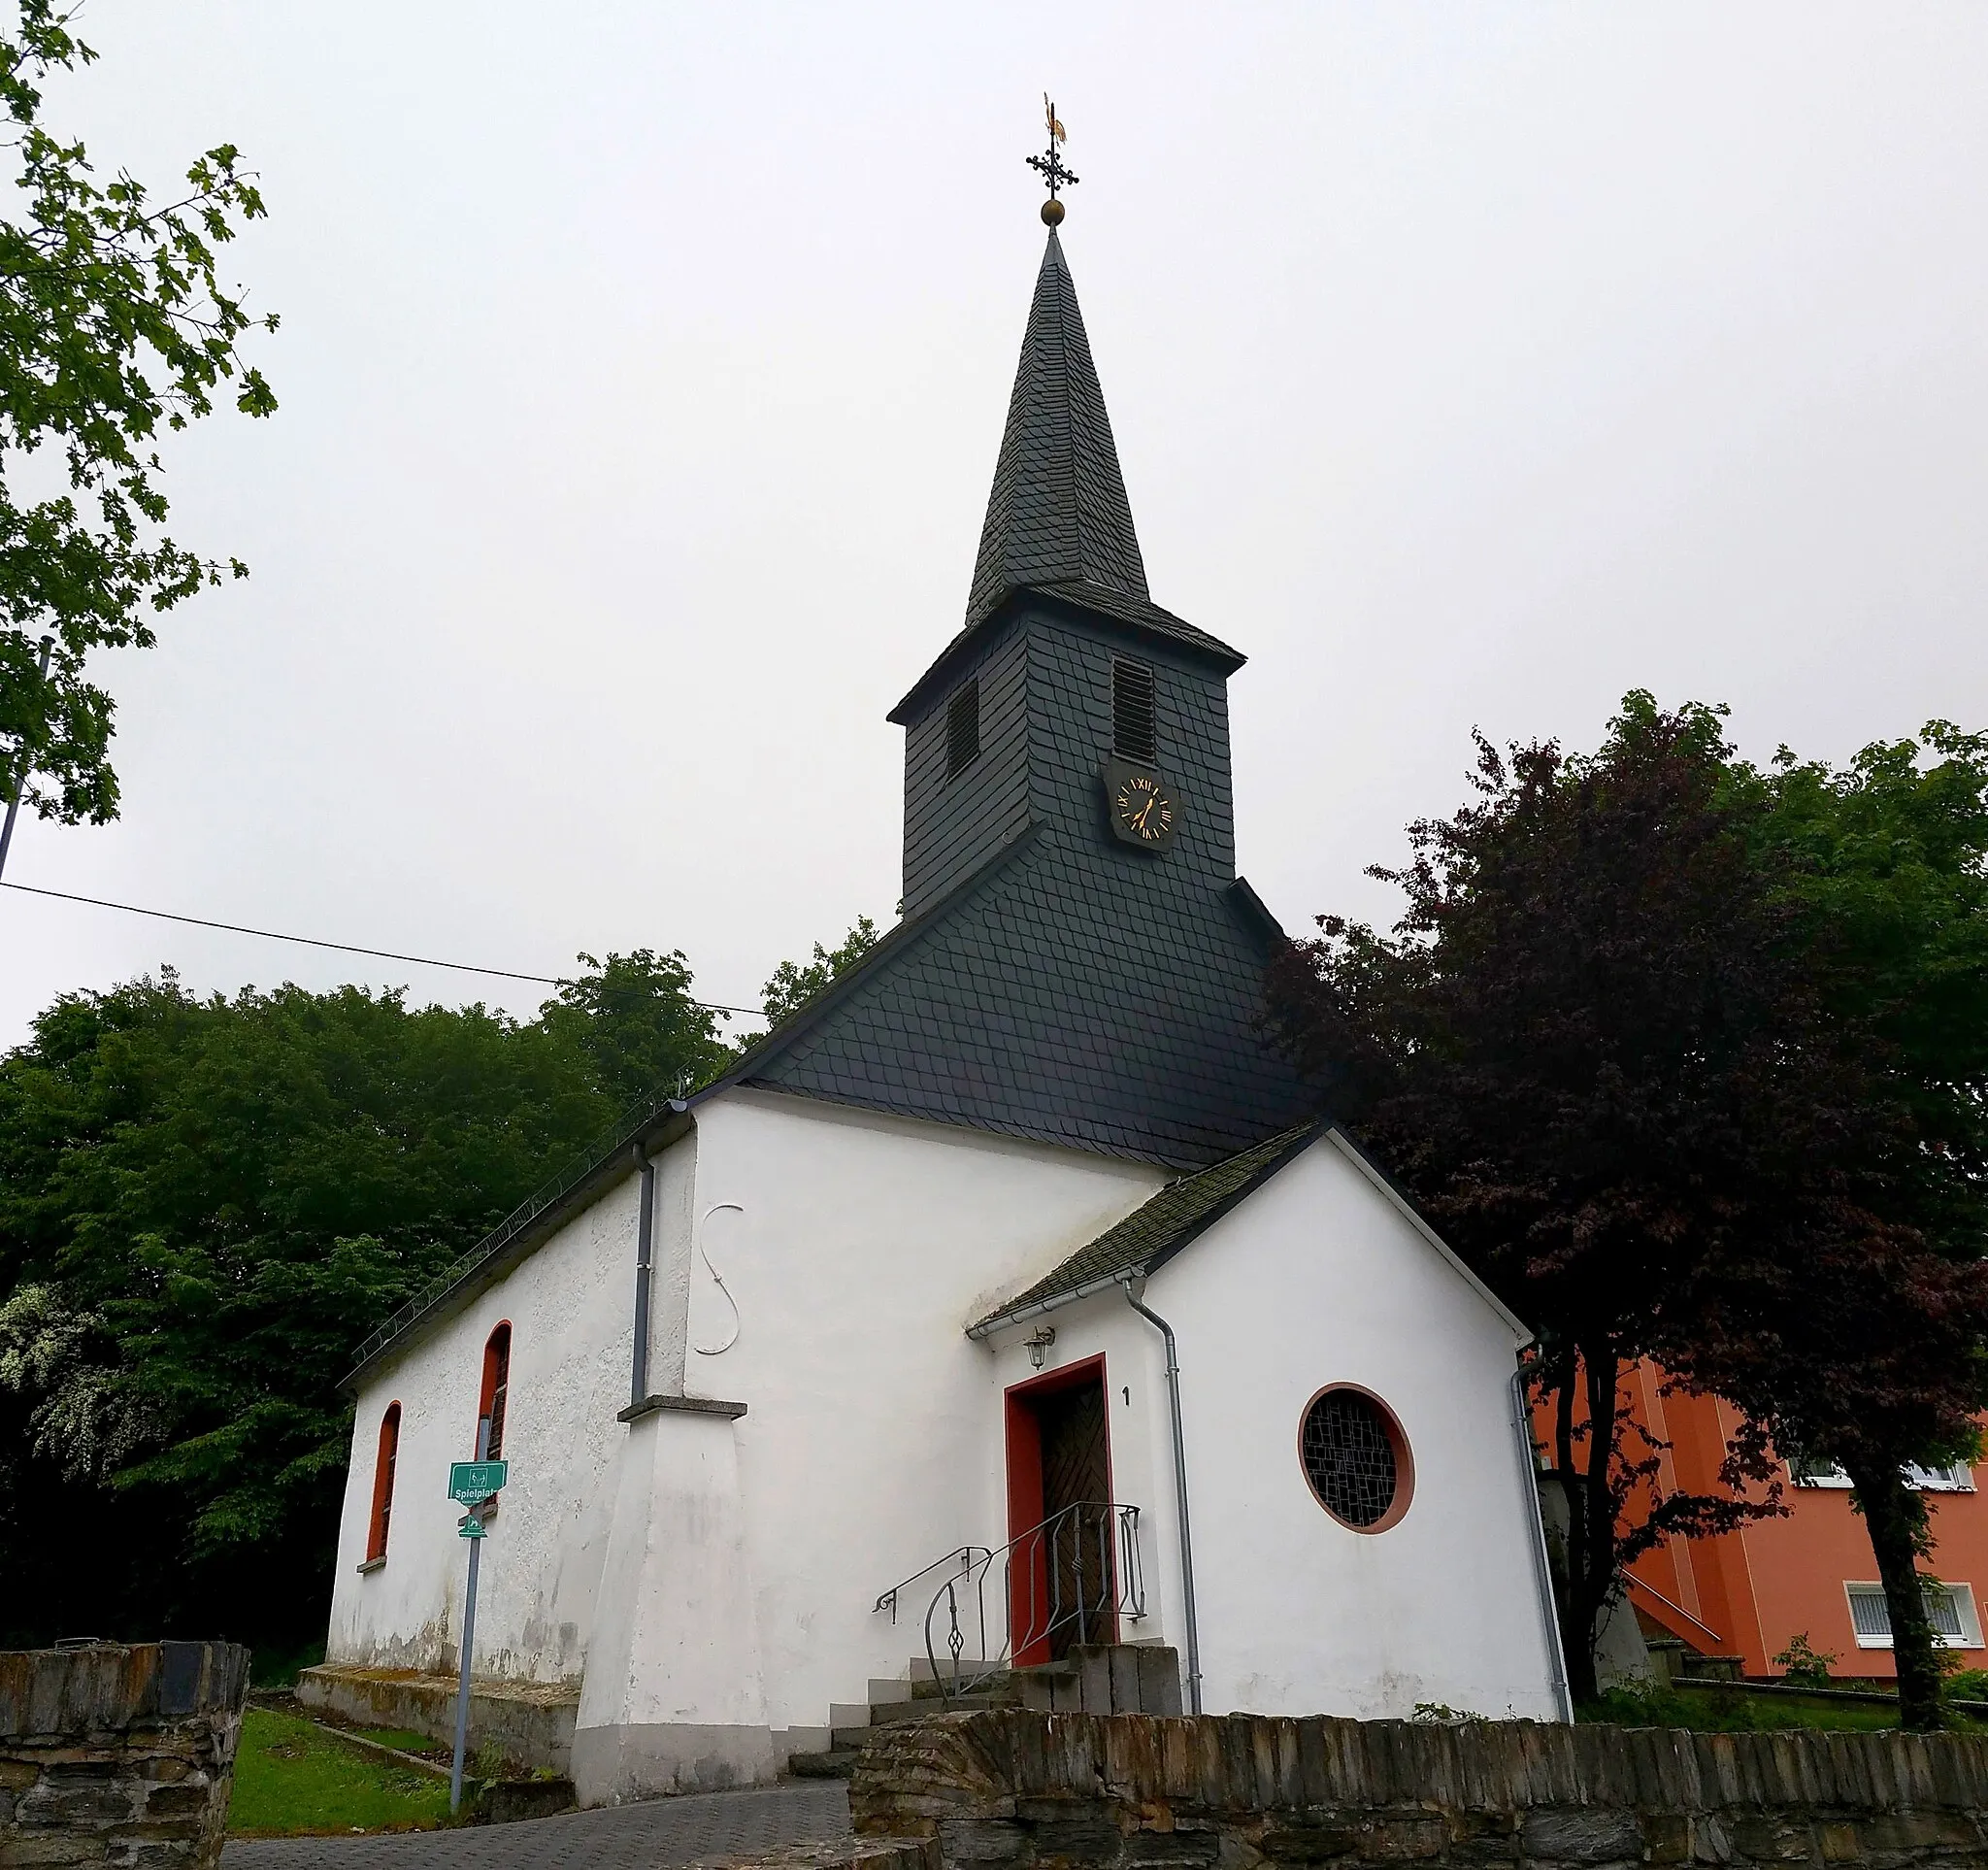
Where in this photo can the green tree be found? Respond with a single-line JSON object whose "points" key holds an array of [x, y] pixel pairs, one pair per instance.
{"points": [[114, 324], [1869, 1344], [795, 982], [205, 1206], [633, 1017]]}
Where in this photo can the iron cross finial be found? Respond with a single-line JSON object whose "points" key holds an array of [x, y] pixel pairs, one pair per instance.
{"points": [[1049, 165]]}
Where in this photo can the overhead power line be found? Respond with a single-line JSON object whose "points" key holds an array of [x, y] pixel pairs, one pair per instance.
{"points": [[343, 948]]}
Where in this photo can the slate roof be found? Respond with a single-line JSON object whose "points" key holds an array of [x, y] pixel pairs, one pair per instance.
{"points": [[1063, 991], [1057, 513], [1034, 1001], [1058, 520], [1154, 1232]]}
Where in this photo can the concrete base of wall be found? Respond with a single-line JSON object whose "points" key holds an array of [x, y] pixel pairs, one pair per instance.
{"points": [[528, 1723], [611, 1765]]}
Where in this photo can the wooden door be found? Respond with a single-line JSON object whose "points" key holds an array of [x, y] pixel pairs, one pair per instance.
{"points": [[1077, 1485]]}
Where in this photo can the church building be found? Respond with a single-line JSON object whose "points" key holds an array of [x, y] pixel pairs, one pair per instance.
{"points": [[1009, 1298]]}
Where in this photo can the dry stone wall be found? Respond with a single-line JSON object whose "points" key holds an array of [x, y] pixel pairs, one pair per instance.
{"points": [[118, 1755], [1012, 1790]]}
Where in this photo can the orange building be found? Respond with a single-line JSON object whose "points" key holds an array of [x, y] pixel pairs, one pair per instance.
{"points": [[1750, 1593]]}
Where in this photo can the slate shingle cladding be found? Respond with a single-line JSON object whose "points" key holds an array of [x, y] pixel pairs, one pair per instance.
{"points": [[1057, 512], [1049, 981], [1054, 999], [1058, 520]]}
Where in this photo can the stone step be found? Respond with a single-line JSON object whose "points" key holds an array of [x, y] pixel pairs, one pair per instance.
{"points": [[920, 1668], [896, 1713], [1000, 1684], [840, 1762]]}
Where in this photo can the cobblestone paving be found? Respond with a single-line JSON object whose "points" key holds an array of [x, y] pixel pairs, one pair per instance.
{"points": [[654, 1835]]}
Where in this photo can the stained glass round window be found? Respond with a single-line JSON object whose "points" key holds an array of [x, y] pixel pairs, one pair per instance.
{"points": [[1356, 1458]]}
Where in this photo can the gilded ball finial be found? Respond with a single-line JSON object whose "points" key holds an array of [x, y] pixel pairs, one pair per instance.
{"points": [[1052, 213]]}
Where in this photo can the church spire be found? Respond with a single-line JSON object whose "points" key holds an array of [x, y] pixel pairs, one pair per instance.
{"points": [[1058, 514]]}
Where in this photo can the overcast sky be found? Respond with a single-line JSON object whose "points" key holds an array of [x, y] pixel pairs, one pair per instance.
{"points": [[643, 368]]}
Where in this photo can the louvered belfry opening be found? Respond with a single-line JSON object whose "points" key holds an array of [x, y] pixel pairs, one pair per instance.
{"points": [[963, 728], [1132, 713]]}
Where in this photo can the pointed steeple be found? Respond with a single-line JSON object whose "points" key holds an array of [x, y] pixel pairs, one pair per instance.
{"points": [[1058, 514], [1058, 523]]}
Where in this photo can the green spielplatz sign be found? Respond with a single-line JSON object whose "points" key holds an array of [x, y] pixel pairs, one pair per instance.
{"points": [[472, 1480]]}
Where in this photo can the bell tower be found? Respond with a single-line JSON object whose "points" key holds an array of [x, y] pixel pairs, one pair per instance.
{"points": [[1068, 697], [1078, 961]]}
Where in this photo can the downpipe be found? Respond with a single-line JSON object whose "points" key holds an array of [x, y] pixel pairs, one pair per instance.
{"points": [[1543, 1571], [645, 1224], [1166, 1330]]}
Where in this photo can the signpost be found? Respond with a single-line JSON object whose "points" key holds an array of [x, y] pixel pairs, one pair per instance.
{"points": [[473, 1484]]}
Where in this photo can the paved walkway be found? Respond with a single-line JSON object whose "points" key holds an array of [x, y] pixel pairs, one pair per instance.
{"points": [[654, 1835]]}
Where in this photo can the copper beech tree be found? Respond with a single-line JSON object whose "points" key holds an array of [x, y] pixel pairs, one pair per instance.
{"points": [[1616, 1053]]}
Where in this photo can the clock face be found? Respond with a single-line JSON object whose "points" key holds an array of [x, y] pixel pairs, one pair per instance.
{"points": [[1142, 809]]}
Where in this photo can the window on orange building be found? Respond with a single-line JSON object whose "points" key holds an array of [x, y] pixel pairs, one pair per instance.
{"points": [[1812, 1470], [383, 1483], [491, 1405], [1956, 1476], [1949, 1608]]}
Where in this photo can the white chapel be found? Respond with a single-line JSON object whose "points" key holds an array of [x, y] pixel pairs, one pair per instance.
{"points": [[1009, 1300]]}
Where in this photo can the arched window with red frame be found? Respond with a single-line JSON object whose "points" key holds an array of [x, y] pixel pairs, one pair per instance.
{"points": [[490, 1407], [383, 1483]]}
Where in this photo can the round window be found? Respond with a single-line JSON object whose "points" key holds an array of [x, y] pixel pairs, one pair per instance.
{"points": [[1356, 1458]]}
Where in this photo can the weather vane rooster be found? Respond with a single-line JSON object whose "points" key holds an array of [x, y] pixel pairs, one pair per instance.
{"points": [[1049, 165]]}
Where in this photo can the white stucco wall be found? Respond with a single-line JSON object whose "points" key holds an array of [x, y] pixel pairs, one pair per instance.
{"points": [[853, 1250], [571, 1311], [873, 1444], [1318, 1279]]}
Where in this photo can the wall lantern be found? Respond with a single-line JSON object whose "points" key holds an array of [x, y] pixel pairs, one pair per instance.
{"points": [[1039, 1342]]}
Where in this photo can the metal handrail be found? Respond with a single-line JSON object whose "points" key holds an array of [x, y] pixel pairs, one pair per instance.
{"points": [[1052, 1554], [965, 1555]]}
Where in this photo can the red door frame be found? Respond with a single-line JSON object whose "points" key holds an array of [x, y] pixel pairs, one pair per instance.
{"points": [[1028, 1579]]}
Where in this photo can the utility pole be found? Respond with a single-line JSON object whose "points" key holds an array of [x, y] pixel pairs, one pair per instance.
{"points": [[20, 784]]}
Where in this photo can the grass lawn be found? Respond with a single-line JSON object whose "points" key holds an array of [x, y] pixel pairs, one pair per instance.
{"points": [[1735, 1710], [293, 1779]]}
